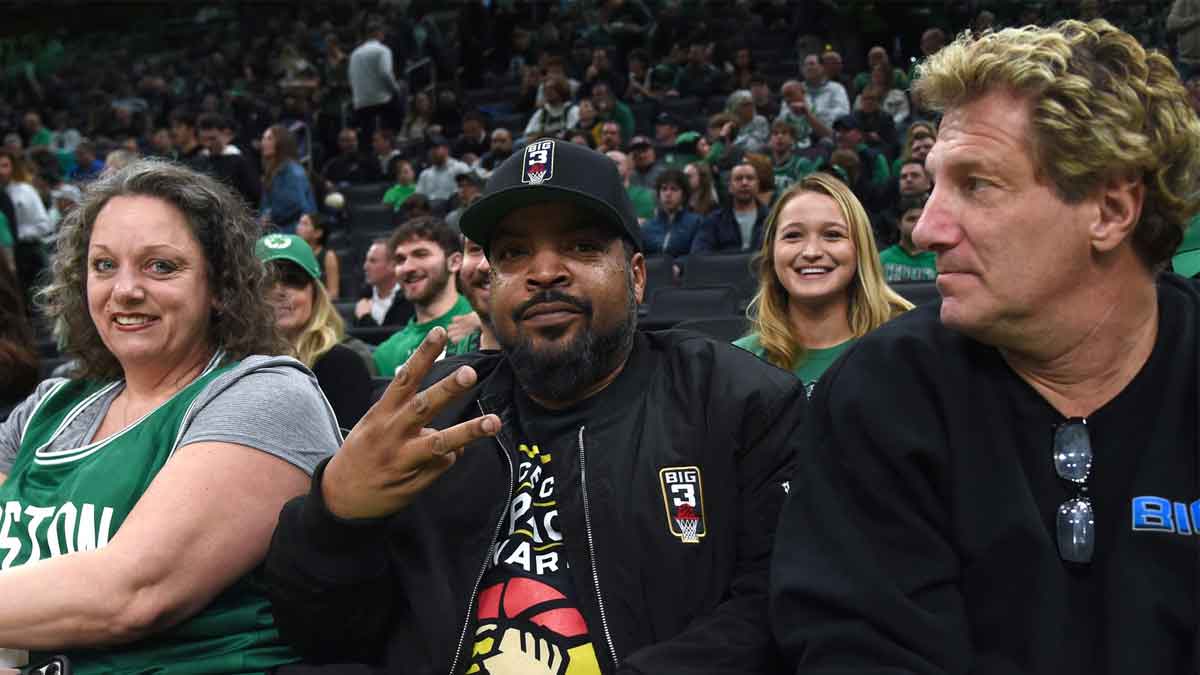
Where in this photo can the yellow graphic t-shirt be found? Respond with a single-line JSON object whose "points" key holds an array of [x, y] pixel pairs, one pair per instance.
{"points": [[528, 620]]}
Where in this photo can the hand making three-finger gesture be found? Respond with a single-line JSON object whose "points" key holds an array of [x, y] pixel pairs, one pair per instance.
{"points": [[391, 456]]}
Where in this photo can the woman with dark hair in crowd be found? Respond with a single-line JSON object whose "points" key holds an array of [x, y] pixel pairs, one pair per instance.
{"points": [[307, 319], [32, 226], [741, 69], [311, 229], [418, 119], [160, 467], [703, 192], [287, 193], [18, 349], [820, 283]]}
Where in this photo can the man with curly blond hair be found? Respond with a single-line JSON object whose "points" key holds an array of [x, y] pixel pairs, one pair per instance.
{"points": [[1007, 481]]}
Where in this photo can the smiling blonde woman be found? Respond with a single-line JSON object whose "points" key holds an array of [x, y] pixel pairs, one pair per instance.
{"points": [[820, 282]]}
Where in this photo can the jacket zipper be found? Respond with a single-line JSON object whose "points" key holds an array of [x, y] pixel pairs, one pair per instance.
{"points": [[587, 521], [491, 549]]}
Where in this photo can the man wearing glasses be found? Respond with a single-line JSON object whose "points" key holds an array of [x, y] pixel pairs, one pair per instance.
{"points": [[1008, 481]]}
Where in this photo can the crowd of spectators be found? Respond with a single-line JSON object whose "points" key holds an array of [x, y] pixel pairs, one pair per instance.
{"points": [[711, 110]]}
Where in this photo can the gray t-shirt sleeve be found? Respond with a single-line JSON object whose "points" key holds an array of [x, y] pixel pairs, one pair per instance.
{"points": [[13, 427], [269, 403]]}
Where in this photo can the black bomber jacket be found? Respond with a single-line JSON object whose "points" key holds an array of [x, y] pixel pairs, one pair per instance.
{"points": [[396, 595]]}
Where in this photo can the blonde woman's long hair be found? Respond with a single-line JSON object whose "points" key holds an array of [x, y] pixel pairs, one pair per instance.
{"points": [[324, 329], [871, 303]]}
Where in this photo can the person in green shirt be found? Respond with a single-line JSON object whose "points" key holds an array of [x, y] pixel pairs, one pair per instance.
{"points": [[904, 261], [643, 199], [789, 166], [406, 184], [1186, 261], [7, 242], [427, 255], [39, 135], [820, 284], [608, 107]]}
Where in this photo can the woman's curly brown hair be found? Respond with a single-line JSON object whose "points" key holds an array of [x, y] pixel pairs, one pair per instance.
{"points": [[1102, 108], [244, 324]]}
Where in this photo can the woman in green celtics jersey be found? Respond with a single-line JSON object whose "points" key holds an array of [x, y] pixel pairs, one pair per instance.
{"points": [[820, 282], [146, 488]]}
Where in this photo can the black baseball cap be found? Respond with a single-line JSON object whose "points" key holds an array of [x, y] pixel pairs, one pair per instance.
{"points": [[849, 121], [667, 118], [550, 170]]}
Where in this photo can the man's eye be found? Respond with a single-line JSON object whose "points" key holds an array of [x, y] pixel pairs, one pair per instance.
{"points": [[975, 183]]}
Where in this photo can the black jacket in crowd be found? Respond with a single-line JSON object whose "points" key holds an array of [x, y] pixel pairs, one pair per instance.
{"points": [[398, 593], [237, 172], [720, 232], [353, 168], [920, 536], [397, 315]]}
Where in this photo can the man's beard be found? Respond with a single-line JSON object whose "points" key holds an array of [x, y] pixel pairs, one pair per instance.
{"points": [[437, 284], [560, 373]]}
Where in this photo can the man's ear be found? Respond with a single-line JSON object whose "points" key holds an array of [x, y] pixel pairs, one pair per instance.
{"points": [[454, 262], [1119, 210], [637, 264]]}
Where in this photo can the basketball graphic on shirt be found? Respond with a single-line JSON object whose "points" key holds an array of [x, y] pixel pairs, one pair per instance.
{"points": [[528, 627]]}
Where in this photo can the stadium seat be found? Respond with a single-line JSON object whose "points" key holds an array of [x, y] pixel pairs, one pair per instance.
{"points": [[643, 116], [724, 328], [917, 292], [378, 386], [372, 335], [375, 216], [366, 193], [345, 308], [669, 306], [682, 107], [714, 269], [658, 274]]}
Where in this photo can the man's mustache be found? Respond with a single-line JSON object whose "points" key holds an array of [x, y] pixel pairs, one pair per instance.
{"points": [[584, 306]]}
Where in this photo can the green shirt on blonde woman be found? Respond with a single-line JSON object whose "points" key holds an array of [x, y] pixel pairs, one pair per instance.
{"points": [[811, 366]]}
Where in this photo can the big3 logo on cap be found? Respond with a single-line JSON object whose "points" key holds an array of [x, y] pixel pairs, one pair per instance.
{"points": [[539, 162]]}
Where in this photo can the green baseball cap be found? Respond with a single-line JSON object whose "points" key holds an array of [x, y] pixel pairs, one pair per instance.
{"points": [[288, 247], [1187, 257]]}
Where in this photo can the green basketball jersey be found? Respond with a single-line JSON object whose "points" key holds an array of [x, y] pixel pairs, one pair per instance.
{"points": [[58, 502]]}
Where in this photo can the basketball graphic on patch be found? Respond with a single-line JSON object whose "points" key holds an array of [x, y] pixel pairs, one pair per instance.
{"points": [[539, 163], [683, 498]]}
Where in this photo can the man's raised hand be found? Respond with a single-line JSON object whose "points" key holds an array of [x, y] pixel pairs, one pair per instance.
{"points": [[391, 456]]}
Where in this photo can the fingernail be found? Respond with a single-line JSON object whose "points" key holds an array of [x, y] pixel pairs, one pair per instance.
{"points": [[402, 374], [491, 425], [463, 376]]}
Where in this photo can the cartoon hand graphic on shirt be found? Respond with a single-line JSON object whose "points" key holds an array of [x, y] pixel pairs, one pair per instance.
{"points": [[523, 652]]}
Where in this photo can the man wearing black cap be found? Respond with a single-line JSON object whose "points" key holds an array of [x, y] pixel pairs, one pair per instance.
{"points": [[595, 500], [646, 166], [666, 130], [470, 183]]}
